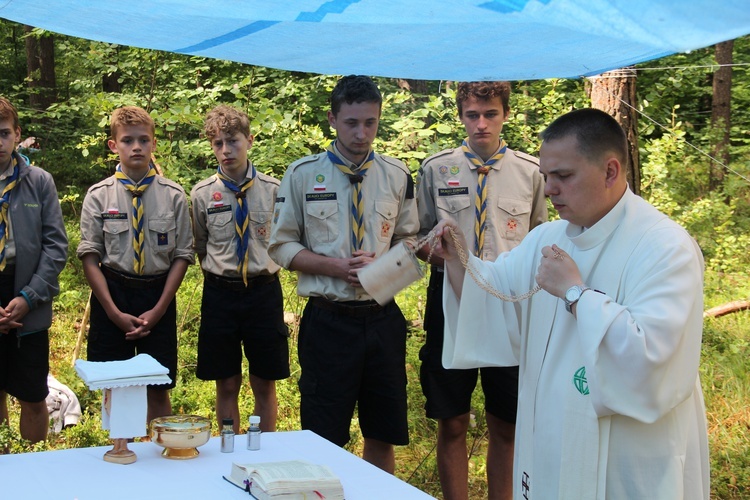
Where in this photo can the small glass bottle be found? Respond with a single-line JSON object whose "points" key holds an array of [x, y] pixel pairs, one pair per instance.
{"points": [[227, 435], [253, 433]]}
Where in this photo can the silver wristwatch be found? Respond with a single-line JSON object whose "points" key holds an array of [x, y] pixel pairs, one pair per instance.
{"points": [[572, 295]]}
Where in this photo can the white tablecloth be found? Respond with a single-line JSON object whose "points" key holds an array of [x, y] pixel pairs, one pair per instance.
{"points": [[82, 474]]}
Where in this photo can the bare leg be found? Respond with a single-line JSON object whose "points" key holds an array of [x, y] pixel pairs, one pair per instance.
{"points": [[266, 404], [227, 392], [380, 454], [4, 417], [453, 461], [159, 404], [500, 458], [34, 420], [4, 408]]}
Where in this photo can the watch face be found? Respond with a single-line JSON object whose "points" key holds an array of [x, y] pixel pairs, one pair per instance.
{"points": [[573, 293]]}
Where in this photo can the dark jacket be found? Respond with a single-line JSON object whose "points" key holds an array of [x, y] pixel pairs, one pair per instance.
{"points": [[41, 243]]}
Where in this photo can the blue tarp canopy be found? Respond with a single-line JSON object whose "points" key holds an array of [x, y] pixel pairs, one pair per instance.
{"points": [[417, 39]]}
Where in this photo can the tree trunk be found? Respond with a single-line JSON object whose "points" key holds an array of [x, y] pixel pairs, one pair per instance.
{"points": [[614, 93], [40, 64], [721, 113]]}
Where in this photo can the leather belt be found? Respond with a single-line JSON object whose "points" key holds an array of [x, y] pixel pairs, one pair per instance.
{"points": [[133, 281], [236, 284], [354, 309]]}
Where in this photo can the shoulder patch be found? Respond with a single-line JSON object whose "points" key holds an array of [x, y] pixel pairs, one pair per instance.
{"points": [[527, 157]]}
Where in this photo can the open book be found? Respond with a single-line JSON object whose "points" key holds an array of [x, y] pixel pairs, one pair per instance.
{"points": [[291, 480]]}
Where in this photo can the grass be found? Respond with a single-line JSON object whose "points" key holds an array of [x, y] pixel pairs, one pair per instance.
{"points": [[724, 372]]}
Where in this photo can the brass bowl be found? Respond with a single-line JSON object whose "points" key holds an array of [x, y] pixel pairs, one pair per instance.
{"points": [[180, 435]]}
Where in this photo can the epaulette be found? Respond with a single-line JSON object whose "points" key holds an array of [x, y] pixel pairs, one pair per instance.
{"points": [[169, 183], [396, 163], [208, 181], [304, 161], [102, 183], [438, 155], [527, 157], [269, 179]]}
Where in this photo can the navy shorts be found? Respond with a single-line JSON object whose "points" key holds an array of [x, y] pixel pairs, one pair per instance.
{"points": [[350, 359], [448, 392], [253, 319], [24, 360], [107, 342]]}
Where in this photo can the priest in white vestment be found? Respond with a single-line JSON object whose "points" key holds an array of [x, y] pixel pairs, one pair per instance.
{"points": [[610, 404]]}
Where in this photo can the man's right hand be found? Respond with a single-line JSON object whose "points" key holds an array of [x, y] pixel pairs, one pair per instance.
{"points": [[445, 231]]}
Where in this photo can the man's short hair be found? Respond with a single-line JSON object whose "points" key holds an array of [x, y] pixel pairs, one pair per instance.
{"points": [[483, 91], [354, 89], [8, 112], [130, 115], [226, 119], [596, 132]]}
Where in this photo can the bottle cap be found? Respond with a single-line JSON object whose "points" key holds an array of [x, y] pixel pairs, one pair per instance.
{"points": [[255, 419], [227, 421]]}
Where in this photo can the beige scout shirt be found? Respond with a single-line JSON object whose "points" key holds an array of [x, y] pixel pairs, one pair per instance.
{"points": [[313, 211], [447, 187], [106, 225], [215, 236]]}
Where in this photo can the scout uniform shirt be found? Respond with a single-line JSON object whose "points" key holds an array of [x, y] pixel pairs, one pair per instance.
{"points": [[106, 225], [313, 211], [447, 187], [215, 243]]}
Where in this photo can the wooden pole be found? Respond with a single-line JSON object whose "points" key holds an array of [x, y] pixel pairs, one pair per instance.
{"points": [[82, 331]]}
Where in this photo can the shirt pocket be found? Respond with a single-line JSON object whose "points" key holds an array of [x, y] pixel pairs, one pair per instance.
{"points": [[452, 205], [260, 225], [322, 225], [221, 225], [117, 237], [162, 233], [513, 218], [385, 219]]}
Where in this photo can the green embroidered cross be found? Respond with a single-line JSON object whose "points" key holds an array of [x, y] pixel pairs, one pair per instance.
{"points": [[579, 380]]}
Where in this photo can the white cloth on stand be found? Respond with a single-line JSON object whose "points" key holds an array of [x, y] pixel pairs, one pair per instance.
{"points": [[139, 370]]}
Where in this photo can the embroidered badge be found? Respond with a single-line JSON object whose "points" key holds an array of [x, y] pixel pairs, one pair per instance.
{"points": [[162, 239], [453, 191], [319, 187], [525, 484], [114, 216], [261, 232], [454, 170], [217, 196], [280, 199], [580, 382], [276, 215], [512, 224], [320, 196], [320, 178], [218, 208], [443, 170], [453, 182], [385, 229]]}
